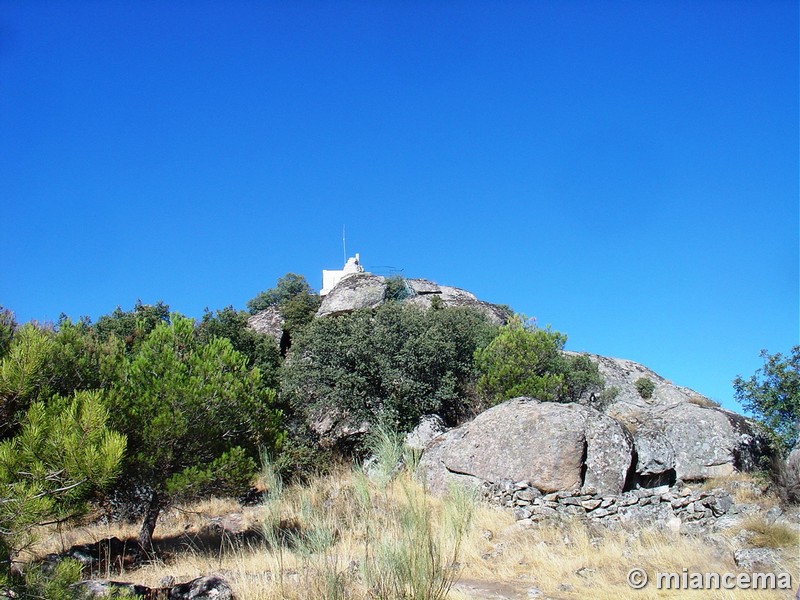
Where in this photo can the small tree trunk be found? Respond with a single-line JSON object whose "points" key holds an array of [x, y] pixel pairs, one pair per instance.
{"points": [[149, 523]]}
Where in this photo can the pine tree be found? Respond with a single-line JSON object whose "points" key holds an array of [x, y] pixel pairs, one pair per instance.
{"points": [[62, 452]]}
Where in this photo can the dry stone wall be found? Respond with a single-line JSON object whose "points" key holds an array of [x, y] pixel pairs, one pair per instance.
{"points": [[680, 508]]}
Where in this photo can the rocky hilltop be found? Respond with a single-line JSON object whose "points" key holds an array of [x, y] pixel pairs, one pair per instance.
{"points": [[365, 290], [617, 441]]}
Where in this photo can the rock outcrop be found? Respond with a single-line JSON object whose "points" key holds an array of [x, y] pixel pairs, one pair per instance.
{"points": [[365, 290], [425, 291], [674, 435], [429, 427], [554, 446], [268, 321], [202, 588], [359, 290], [789, 476], [677, 432]]}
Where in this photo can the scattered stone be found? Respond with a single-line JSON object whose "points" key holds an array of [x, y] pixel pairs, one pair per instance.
{"points": [[757, 559], [773, 514], [591, 504], [585, 572]]}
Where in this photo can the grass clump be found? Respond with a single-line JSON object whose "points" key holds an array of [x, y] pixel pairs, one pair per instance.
{"points": [[373, 532], [703, 402], [770, 535]]}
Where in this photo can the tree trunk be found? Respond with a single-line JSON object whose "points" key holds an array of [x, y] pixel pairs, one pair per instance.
{"points": [[149, 523]]}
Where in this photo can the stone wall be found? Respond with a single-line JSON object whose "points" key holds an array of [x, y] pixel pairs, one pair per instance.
{"points": [[680, 508]]}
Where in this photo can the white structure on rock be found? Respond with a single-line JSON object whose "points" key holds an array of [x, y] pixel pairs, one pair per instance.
{"points": [[331, 278]]}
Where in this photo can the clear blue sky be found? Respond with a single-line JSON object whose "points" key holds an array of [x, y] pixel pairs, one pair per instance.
{"points": [[624, 171]]}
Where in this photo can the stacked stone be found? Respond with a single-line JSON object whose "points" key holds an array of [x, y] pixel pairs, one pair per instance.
{"points": [[659, 504]]}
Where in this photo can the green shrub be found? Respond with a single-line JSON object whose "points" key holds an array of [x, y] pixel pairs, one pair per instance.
{"points": [[397, 289], [190, 410], [772, 396], [8, 325], [260, 349], [62, 453], [528, 361], [645, 387], [294, 298], [393, 364]]}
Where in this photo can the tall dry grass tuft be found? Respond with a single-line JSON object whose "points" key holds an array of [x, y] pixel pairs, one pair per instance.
{"points": [[765, 534]]}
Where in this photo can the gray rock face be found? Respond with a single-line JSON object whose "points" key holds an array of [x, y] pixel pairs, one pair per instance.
{"points": [[654, 452], [790, 475], [609, 449], [757, 559], [333, 426], [428, 428], [364, 290], [544, 443], [268, 321], [677, 428], [359, 290], [425, 291]]}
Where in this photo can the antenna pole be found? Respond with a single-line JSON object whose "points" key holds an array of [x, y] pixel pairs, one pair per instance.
{"points": [[344, 246]]}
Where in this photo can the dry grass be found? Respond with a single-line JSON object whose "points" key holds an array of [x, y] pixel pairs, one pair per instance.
{"points": [[745, 488], [770, 535], [331, 539], [704, 402]]}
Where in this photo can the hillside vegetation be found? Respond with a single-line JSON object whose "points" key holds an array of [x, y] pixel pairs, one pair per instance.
{"points": [[147, 408]]}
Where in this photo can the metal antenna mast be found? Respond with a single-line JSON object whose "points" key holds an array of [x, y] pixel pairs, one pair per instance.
{"points": [[344, 246]]}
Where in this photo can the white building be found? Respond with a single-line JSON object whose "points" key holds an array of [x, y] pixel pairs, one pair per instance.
{"points": [[331, 278]]}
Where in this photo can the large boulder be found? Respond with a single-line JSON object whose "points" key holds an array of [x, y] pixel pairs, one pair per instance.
{"points": [[654, 452], [553, 446], [609, 449], [424, 292], [677, 430], [789, 475], [359, 290], [365, 290]]}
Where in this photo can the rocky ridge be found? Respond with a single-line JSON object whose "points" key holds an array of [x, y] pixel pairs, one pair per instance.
{"points": [[365, 290]]}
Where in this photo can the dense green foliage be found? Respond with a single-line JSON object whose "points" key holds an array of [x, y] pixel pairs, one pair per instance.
{"points": [[294, 298], [529, 361], [261, 350], [8, 325], [62, 452], [195, 414], [23, 375], [772, 395], [43, 362], [197, 402], [645, 387], [393, 363], [132, 326]]}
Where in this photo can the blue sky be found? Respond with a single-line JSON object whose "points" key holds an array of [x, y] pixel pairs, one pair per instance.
{"points": [[624, 171]]}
